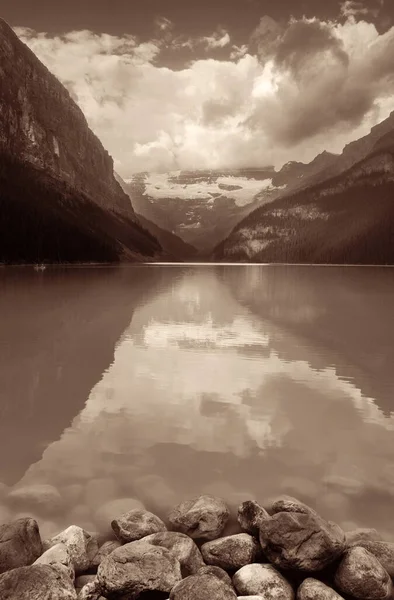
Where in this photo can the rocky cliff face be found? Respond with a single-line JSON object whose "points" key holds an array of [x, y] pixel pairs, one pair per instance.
{"points": [[59, 199], [42, 125]]}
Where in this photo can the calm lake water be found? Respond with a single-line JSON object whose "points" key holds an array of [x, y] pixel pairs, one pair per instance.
{"points": [[163, 382]]}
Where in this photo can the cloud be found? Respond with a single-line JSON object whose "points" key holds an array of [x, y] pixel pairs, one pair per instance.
{"points": [[298, 88], [353, 8]]}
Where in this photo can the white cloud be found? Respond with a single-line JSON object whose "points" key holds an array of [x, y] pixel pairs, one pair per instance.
{"points": [[314, 85], [352, 8]]}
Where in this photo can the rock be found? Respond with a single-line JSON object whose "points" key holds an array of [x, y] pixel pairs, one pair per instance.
{"points": [[301, 541], [383, 551], [250, 515], [312, 589], [361, 535], [36, 582], [202, 587], [232, 552], [182, 547], [216, 572], [41, 497], [362, 576], [104, 550], [136, 524], [138, 567], [79, 544], [57, 554], [105, 514], [90, 591], [250, 598], [82, 580], [262, 580], [204, 517], [290, 504], [20, 544]]}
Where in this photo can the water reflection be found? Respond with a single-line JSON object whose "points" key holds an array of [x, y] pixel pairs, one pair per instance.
{"points": [[245, 382]]}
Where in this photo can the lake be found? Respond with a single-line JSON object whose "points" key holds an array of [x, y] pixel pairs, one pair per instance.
{"points": [[164, 382]]}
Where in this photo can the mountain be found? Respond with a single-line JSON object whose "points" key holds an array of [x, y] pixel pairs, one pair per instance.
{"points": [[201, 207], [348, 218], [59, 200], [296, 174]]}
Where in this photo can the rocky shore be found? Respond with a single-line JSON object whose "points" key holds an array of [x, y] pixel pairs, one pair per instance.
{"points": [[285, 551]]}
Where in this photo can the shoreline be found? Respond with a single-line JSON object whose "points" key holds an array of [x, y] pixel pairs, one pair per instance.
{"points": [[285, 550]]}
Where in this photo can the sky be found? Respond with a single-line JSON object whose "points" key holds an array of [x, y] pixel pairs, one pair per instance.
{"points": [[170, 85]]}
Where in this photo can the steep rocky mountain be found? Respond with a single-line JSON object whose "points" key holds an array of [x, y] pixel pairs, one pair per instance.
{"points": [[59, 200], [348, 218], [201, 207], [296, 174]]}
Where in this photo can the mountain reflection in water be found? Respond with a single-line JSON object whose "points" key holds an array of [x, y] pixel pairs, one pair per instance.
{"points": [[246, 382]]}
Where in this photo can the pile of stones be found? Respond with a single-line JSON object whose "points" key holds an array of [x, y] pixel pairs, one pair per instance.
{"points": [[287, 552]]}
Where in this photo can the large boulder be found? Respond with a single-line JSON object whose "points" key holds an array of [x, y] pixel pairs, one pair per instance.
{"points": [[20, 544], [138, 567], [232, 551], [383, 551], [204, 517], [37, 582], [57, 554], [262, 580], [182, 547], [361, 576], [39, 497], [136, 524], [104, 515], [90, 591], [80, 544], [313, 589], [250, 515], [203, 587], [301, 541]]}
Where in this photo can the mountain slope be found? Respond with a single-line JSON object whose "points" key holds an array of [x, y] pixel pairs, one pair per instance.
{"points": [[59, 200], [347, 219]]}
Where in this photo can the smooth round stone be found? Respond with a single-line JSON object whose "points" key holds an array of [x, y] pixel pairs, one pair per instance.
{"points": [[20, 544], [216, 572], [232, 552], [312, 589], [182, 547], [58, 554], [80, 544], [289, 504], [383, 551], [136, 524], [361, 576], [37, 582], [262, 580], [204, 517], [138, 567], [104, 550]]}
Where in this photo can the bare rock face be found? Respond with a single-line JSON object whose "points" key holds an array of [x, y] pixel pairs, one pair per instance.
{"points": [[182, 547], [138, 567], [262, 580], [383, 551], [232, 552], [301, 541], [37, 497], [362, 576], [136, 524], [250, 515], [20, 544], [312, 589], [57, 554], [204, 517], [202, 587], [37, 582], [78, 543]]}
